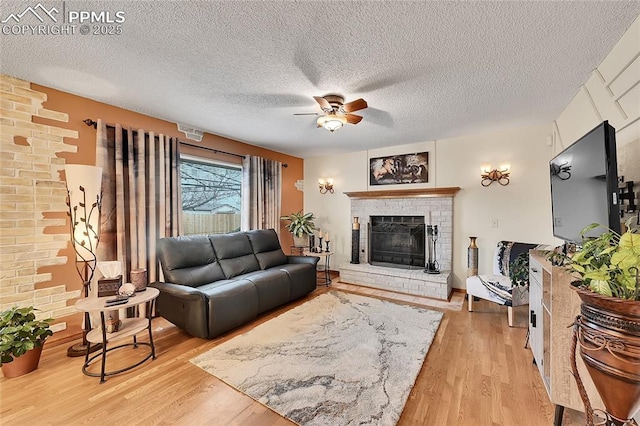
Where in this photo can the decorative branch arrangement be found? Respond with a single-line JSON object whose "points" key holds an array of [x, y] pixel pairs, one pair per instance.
{"points": [[84, 200], [80, 221]]}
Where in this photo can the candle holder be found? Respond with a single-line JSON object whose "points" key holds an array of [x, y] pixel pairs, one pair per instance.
{"points": [[139, 279], [355, 240], [320, 246], [327, 245]]}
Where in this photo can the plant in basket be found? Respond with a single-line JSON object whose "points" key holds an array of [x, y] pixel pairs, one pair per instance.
{"points": [[607, 331]]}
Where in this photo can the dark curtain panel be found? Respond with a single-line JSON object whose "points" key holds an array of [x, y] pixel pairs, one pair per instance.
{"points": [[141, 199], [261, 193]]}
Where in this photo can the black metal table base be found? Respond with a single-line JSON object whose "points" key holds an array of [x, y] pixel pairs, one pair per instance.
{"points": [[103, 352], [103, 374], [324, 275]]}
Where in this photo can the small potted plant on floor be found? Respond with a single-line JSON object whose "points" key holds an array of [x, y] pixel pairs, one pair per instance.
{"points": [[301, 226], [21, 339], [608, 330]]}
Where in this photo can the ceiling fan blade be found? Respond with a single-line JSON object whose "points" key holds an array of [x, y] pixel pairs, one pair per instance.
{"points": [[356, 105], [306, 113], [324, 104], [353, 119]]}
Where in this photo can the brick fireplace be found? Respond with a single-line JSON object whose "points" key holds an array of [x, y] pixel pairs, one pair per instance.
{"points": [[436, 207]]}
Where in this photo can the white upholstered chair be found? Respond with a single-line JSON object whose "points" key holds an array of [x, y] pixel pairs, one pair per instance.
{"points": [[497, 288]]}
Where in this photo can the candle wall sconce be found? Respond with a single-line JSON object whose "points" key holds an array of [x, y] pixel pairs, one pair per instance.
{"points": [[325, 185], [500, 175], [561, 171]]}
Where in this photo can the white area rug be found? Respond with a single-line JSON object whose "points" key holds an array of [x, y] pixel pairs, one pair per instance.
{"points": [[338, 359]]}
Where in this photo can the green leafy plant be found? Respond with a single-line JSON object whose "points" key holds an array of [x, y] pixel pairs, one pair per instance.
{"points": [[519, 271], [20, 331], [300, 224], [608, 264]]}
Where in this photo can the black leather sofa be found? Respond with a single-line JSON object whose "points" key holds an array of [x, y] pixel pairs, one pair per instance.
{"points": [[214, 283]]}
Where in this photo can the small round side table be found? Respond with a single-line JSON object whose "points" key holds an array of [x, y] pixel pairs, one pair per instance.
{"points": [[130, 327]]}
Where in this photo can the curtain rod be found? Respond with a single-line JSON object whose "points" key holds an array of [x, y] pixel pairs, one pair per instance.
{"points": [[91, 123]]}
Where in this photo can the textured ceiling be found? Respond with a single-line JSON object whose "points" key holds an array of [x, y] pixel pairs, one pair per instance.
{"points": [[429, 70]]}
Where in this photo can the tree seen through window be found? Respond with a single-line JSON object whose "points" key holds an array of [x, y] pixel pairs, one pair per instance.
{"points": [[211, 197]]}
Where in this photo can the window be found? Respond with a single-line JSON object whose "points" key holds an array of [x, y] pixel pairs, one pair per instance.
{"points": [[211, 196]]}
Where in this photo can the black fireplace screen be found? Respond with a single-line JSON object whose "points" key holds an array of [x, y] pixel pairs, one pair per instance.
{"points": [[397, 241]]}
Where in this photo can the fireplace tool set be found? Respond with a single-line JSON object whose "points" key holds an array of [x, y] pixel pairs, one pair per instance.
{"points": [[432, 266]]}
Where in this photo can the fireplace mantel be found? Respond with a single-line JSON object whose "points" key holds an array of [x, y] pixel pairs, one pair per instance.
{"points": [[406, 193]]}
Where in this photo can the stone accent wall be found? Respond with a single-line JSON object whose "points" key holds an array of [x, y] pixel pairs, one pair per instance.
{"points": [[30, 186]]}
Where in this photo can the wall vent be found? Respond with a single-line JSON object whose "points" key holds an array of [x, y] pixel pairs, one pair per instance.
{"points": [[191, 132]]}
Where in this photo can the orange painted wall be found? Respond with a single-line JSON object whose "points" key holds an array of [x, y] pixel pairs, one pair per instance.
{"points": [[80, 108]]}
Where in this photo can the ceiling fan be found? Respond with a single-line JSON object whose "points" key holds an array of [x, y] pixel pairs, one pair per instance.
{"points": [[336, 112]]}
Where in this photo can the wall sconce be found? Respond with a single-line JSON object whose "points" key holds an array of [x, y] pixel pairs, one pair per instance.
{"points": [[561, 171], [500, 175], [325, 186]]}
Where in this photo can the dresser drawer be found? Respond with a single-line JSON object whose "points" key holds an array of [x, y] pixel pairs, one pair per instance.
{"points": [[535, 271]]}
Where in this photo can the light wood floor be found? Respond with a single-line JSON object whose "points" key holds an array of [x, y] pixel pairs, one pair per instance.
{"points": [[477, 372]]}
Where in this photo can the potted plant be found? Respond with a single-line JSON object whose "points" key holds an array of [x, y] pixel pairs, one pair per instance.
{"points": [[301, 226], [519, 275], [21, 339], [608, 329]]}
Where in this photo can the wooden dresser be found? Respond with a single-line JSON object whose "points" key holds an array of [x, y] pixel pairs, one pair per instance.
{"points": [[553, 306]]}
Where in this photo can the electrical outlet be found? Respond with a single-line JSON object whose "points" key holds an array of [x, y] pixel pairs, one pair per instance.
{"points": [[494, 223]]}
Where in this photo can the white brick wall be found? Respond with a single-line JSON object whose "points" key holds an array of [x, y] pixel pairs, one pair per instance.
{"points": [[30, 187], [439, 209], [399, 280], [436, 211]]}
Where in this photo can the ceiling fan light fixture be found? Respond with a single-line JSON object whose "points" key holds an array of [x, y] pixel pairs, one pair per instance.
{"points": [[332, 122]]}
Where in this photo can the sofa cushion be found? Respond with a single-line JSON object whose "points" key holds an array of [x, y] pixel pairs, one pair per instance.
{"points": [[234, 253], [303, 279], [266, 247], [273, 288], [231, 303], [189, 260]]}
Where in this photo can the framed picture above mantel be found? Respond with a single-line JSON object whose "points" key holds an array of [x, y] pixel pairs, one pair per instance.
{"points": [[402, 167]]}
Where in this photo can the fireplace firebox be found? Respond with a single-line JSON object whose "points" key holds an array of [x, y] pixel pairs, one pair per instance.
{"points": [[397, 241]]}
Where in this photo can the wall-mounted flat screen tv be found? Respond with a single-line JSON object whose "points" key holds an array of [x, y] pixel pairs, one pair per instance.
{"points": [[584, 185]]}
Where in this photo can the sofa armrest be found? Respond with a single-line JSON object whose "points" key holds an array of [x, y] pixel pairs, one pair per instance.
{"points": [[183, 306], [178, 290], [312, 260]]}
